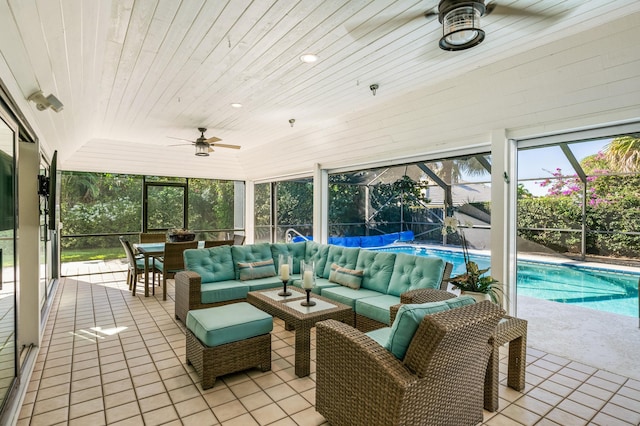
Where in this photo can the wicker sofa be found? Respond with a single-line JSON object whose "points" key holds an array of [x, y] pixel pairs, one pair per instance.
{"points": [[438, 381], [212, 277]]}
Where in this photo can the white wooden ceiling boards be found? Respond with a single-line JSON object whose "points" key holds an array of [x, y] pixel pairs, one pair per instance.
{"points": [[131, 73]]}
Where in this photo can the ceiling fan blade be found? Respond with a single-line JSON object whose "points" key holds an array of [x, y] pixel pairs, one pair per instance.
{"points": [[181, 139], [212, 140], [498, 9], [224, 145], [210, 149], [182, 144]]}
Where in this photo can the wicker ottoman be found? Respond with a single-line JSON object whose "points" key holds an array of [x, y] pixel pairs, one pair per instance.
{"points": [[226, 339]]}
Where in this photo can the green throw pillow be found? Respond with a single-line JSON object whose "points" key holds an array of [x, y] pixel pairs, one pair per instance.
{"points": [[406, 324], [253, 270], [351, 278]]}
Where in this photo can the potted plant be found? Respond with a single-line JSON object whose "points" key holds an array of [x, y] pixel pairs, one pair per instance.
{"points": [[473, 282], [181, 235]]}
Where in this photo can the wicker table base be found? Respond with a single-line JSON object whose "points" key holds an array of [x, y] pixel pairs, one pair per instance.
{"points": [[299, 321], [513, 331]]}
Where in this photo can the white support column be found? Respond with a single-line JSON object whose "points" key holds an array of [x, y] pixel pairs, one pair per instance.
{"points": [[28, 293], [503, 184], [250, 210], [320, 204]]}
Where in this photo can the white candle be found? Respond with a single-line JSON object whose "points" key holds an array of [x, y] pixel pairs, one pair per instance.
{"points": [[284, 272], [307, 280]]}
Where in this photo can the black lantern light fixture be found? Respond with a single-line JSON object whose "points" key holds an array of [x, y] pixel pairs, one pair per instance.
{"points": [[460, 23], [202, 149]]}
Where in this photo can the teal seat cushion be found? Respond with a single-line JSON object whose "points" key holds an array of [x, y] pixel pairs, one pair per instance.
{"points": [[262, 283], [406, 324], [346, 295], [212, 264], [458, 302], [342, 256], [321, 283], [249, 254], [140, 263], [223, 291], [377, 308], [381, 335], [415, 272], [316, 253], [254, 270], [295, 250], [229, 323], [377, 267]]}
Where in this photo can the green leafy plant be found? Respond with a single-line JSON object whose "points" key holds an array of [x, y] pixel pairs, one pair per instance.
{"points": [[473, 279]]}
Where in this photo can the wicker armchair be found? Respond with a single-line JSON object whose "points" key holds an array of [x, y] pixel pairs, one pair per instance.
{"points": [[440, 381], [172, 261]]}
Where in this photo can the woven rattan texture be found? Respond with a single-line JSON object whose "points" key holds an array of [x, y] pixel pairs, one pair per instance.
{"points": [[360, 383], [212, 362], [300, 322]]}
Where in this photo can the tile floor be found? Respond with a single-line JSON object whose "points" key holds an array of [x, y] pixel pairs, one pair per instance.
{"points": [[110, 358]]}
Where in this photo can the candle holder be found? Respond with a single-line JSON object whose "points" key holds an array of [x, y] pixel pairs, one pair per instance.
{"points": [[308, 302], [308, 281], [285, 264], [284, 291]]}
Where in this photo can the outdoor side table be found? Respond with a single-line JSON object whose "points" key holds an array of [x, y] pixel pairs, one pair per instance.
{"points": [[513, 331]]}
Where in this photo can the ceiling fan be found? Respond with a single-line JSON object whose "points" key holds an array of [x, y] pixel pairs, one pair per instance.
{"points": [[460, 20], [205, 145]]}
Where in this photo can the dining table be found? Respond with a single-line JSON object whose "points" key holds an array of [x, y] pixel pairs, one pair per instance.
{"points": [[152, 250]]}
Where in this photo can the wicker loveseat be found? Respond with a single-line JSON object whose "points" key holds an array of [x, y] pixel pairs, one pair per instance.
{"points": [[439, 381], [212, 277]]}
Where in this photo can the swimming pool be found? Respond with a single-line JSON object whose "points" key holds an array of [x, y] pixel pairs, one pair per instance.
{"points": [[600, 289]]}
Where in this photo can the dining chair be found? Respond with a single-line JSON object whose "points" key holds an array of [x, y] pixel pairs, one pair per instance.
{"points": [[238, 240], [153, 237], [216, 243], [172, 261], [135, 264]]}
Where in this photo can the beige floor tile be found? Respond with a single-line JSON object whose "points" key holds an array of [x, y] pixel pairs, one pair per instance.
{"points": [[119, 398], [622, 413], [243, 420], [203, 418], [219, 397], [95, 419], [87, 407], [191, 406], [50, 417], [280, 392], [308, 417], [46, 405], [577, 409], [154, 402], [160, 416], [268, 414], [565, 418], [244, 388], [150, 389], [122, 412], [256, 400], [184, 393], [229, 410], [294, 404]]}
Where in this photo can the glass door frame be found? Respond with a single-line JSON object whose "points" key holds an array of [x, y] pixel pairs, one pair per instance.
{"points": [[145, 202]]}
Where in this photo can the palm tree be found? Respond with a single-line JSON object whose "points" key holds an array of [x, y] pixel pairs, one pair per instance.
{"points": [[623, 154]]}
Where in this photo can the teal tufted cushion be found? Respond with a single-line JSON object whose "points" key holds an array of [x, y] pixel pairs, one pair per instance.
{"points": [[249, 253], [415, 272], [406, 324], [212, 264], [228, 323], [316, 253], [343, 256], [377, 267], [297, 250], [377, 308], [346, 295]]}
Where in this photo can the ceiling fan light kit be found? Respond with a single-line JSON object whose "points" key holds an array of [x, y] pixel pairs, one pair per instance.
{"points": [[202, 149], [460, 23]]}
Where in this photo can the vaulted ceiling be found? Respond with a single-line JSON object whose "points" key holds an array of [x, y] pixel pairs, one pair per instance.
{"points": [[132, 74]]}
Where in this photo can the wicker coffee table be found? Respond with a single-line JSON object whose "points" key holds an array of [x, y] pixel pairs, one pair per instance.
{"points": [[300, 318]]}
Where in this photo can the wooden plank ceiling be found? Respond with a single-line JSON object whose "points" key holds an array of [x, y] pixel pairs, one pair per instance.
{"points": [[132, 73]]}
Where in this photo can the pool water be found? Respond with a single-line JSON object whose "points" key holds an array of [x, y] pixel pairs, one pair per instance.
{"points": [[604, 290]]}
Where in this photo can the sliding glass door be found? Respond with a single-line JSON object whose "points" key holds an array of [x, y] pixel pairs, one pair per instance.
{"points": [[8, 247]]}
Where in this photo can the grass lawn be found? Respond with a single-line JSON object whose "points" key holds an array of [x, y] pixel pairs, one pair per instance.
{"points": [[80, 255]]}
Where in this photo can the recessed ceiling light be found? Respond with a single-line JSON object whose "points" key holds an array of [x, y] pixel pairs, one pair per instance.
{"points": [[236, 105], [309, 58]]}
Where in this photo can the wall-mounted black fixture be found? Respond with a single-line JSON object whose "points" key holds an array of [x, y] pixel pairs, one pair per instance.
{"points": [[43, 185]]}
